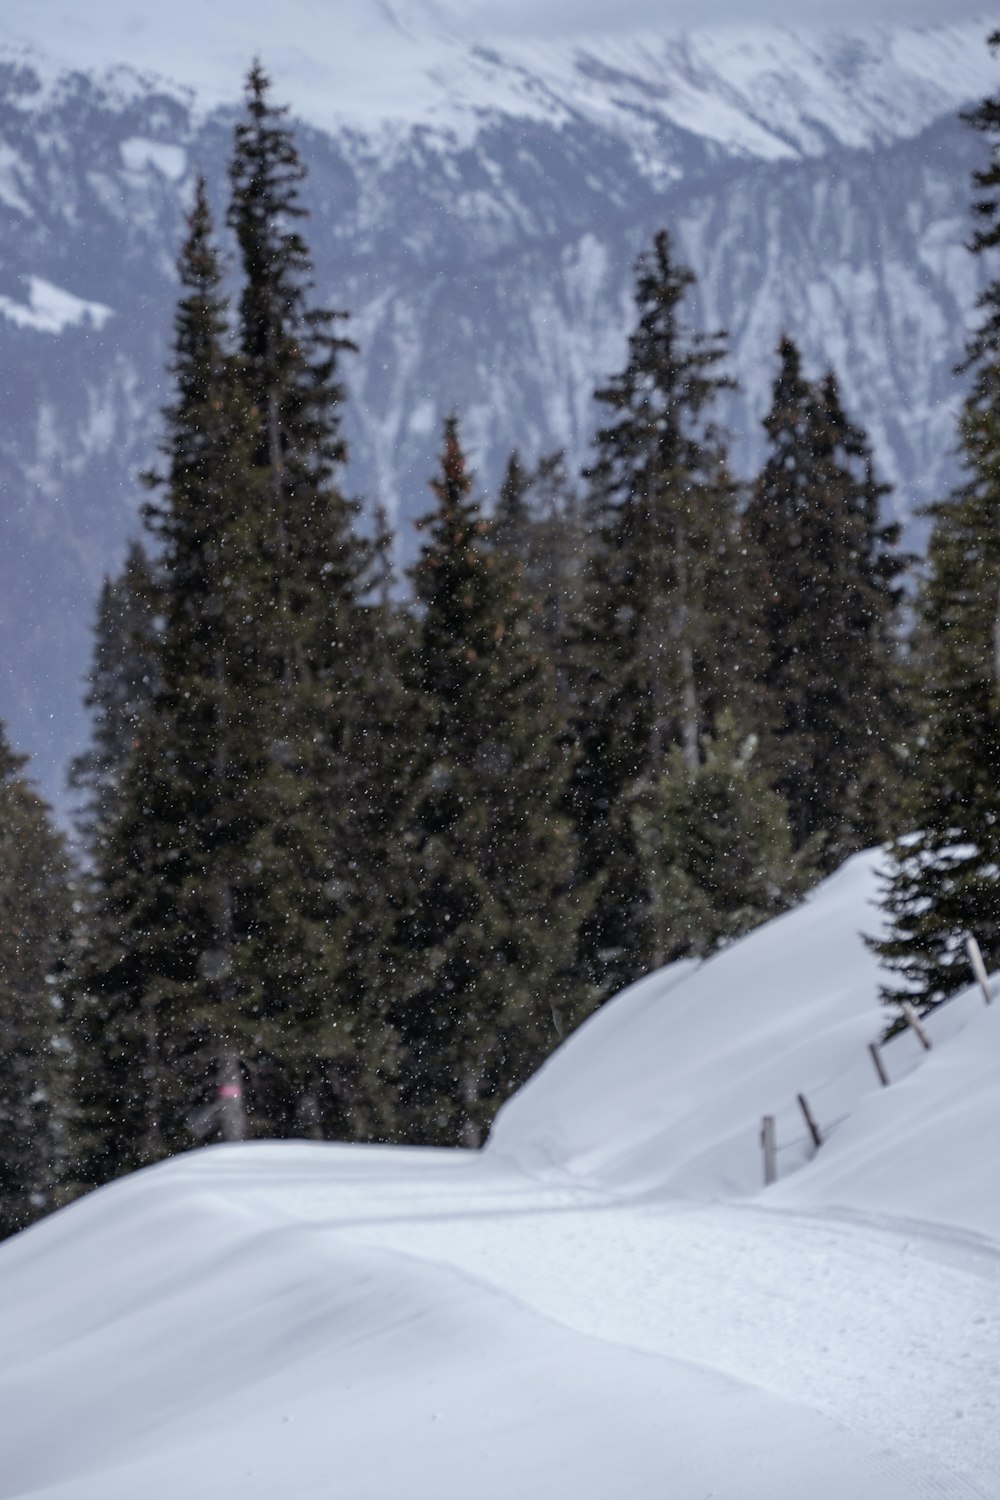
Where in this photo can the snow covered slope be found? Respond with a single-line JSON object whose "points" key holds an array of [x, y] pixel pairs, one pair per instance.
{"points": [[663, 1091], [757, 89], [307, 1320]]}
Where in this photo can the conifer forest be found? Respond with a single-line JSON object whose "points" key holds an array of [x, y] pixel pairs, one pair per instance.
{"points": [[358, 844]]}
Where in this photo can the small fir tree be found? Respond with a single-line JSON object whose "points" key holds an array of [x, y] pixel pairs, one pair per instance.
{"points": [[35, 925], [719, 840], [120, 687]]}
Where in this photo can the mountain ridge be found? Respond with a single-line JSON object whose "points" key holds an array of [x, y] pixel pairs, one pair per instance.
{"points": [[493, 274]]}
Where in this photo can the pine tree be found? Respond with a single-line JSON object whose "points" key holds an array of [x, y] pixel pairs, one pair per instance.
{"points": [[942, 882], [829, 582], [171, 989], [655, 660], [538, 527], [482, 941], [121, 685], [717, 836], [35, 924], [321, 633]]}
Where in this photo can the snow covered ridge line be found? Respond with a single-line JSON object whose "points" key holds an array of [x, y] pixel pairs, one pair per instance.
{"points": [[768, 92], [50, 309]]}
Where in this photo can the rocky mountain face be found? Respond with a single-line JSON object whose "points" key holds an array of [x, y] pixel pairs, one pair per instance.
{"points": [[487, 269]]}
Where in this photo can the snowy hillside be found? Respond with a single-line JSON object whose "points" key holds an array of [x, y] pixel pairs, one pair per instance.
{"points": [[602, 1303], [756, 89]]}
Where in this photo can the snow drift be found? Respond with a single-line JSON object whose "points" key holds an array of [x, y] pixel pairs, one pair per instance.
{"points": [[602, 1303]]}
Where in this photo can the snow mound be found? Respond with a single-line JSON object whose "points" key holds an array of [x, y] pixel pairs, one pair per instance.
{"points": [[562, 1314], [664, 1089]]}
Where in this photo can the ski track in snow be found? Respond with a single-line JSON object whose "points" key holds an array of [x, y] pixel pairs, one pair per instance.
{"points": [[835, 1313]]}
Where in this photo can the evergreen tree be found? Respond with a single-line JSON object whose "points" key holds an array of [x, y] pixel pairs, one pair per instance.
{"points": [[482, 942], [829, 585], [121, 684], [321, 633], [171, 989], [656, 662], [718, 838], [538, 527], [943, 881], [35, 923]]}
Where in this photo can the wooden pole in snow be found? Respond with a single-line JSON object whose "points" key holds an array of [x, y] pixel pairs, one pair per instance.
{"points": [[879, 1064], [770, 1154], [808, 1115], [911, 1019], [979, 968]]}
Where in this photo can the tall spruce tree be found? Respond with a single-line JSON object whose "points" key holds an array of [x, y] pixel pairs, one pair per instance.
{"points": [[322, 633], [831, 597], [943, 880], [482, 942], [35, 926], [656, 663], [171, 999]]}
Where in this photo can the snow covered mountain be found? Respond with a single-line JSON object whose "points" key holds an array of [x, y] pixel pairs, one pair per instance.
{"points": [[480, 190], [603, 1302]]}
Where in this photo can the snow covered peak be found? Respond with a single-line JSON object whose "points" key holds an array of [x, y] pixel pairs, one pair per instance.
{"points": [[766, 91]]}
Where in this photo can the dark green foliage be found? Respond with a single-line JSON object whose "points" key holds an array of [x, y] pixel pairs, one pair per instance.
{"points": [[944, 881], [657, 650], [323, 636], [482, 941], [216, 959], [830, 592], [717, 840], [35, 921], [171, 988], [121, 684], [539, 528]]}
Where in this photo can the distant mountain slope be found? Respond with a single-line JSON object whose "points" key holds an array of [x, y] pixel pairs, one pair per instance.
{"points": [[483, 238]]}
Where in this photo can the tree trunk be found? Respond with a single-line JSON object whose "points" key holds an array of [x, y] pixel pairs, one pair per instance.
{"points": [[682, 616], [231, 1108]]}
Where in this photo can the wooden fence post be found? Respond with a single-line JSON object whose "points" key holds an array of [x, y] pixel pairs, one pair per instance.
{"points": [[979, 968], [879, 1064], [911, 1019], [813, 1127], [770, 1154]]}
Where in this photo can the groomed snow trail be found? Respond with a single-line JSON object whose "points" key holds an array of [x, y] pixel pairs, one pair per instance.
{"points": [[891, 1330], [602, 1305]]}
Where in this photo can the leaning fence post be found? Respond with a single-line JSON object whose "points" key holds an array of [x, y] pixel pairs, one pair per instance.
{"points": [[978, 967], [770, 1154], [879, 1064], [911, 1019], [813, 1127]]}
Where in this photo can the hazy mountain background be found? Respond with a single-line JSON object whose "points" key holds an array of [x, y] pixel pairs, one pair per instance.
{"points": [[480, 189]]}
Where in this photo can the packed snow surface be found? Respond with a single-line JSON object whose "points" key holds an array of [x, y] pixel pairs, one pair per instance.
{"points": [[603, 1303]]}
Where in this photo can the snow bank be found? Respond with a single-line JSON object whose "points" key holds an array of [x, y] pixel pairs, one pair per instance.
{"points": [[563, 1314], [664, 1089]]}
